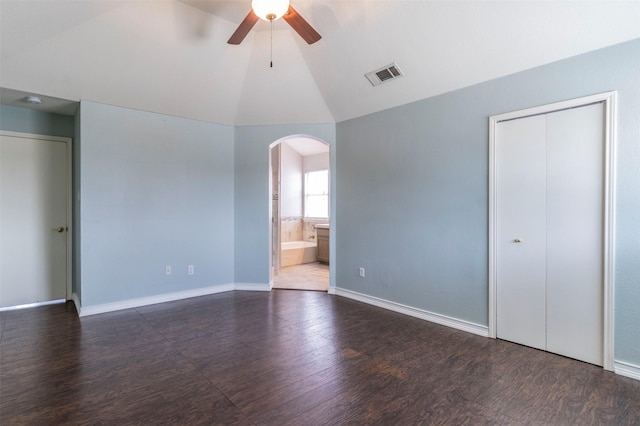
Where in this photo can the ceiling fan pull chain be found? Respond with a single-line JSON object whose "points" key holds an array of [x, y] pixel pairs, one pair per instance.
{"points": [[271, 55]]}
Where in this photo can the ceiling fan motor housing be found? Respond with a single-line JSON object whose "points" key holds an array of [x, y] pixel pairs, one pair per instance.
{"points": [[270, 10]]}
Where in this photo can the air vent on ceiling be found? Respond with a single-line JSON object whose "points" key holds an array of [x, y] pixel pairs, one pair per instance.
{"points": [[384, 74]]}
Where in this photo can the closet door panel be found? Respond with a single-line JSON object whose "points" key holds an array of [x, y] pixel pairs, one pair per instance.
{"points": [[575, 191], [521, 215]]}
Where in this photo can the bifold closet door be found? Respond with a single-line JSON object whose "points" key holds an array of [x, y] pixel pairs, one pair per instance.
{"points": [[521, 231], [575, 205], [550, 193]]}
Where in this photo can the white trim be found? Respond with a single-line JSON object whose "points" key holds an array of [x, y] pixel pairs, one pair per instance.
{"points": [[76, 302], [274, 267], [492, 255], [69, 231], [32, 305], [609, 237], [332, 290], [609, 100], [34, 136], [252, 287], [167, 297], [458, 324], [557, 106], [627, 370], [332, 192], [151, 300]]}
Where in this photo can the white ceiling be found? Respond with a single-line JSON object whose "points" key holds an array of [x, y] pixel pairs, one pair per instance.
{"points": [[306, 146], [171, 56]]}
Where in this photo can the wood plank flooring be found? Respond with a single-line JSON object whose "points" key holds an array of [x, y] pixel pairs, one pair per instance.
{"points": [[309, 276], [286, 358]]}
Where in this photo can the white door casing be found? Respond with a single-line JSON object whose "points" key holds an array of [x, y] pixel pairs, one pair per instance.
{"points": [[35, 215], [275, 210], [564, 216]]}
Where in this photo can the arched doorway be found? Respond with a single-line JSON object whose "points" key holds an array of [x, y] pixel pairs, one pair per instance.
{"points": [[300, 213]]}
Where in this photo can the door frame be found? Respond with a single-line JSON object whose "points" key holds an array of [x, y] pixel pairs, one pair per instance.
{"points": [[68, 142], [609, 210], [331, 204], [274, 231]]}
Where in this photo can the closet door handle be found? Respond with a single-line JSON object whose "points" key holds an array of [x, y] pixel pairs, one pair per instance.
{"points": [[518, 240]]}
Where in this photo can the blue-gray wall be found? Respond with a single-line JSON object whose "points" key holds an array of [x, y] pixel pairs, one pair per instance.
{"points": [[252, 203], [14, 119], [156, 190], [412, 190]]}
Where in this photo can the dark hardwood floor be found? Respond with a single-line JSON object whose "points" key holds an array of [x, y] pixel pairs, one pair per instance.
{"points": [[286, 358]]}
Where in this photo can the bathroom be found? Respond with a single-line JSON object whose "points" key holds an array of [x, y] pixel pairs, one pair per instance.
{"points": [[300, 206]]}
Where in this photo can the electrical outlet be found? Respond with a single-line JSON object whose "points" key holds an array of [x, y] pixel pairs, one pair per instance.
{"points": [[361, 272], [167, 270], [190, 270]]}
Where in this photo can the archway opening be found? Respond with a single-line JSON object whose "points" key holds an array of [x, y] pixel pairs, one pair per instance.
{"points": [[300, 206]]}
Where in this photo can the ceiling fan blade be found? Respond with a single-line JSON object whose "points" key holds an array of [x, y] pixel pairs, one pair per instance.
{"points": [[244, 28], [301, 26]]}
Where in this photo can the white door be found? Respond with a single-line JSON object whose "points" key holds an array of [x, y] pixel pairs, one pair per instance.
{"points": [[575, 205], [549, 244], [33, 219], [520, 164]]}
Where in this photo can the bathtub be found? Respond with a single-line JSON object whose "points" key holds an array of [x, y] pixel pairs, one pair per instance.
{"points": [[297, 253]]}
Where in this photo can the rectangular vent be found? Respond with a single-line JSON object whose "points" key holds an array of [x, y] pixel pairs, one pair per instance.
{"points": [[386, 73]]}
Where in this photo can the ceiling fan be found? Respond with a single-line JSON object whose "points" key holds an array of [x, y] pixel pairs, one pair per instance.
{"points": [[270, 10]]}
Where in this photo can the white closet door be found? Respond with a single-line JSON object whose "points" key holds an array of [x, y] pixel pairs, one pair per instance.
{"points": [[549, 248], [575, 194], [521, 215]]}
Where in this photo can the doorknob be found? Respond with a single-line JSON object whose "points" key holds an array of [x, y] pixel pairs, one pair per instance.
{"points": [[59, 229], [518, 240]]}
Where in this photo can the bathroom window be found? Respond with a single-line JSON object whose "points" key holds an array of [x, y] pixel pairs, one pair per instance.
{"points": [[316, 194]]}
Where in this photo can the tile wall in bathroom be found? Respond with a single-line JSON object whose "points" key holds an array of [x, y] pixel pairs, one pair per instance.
{"points": [[308, 231], [291, 228]]}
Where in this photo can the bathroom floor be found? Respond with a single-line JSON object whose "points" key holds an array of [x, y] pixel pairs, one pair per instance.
{"points": [[309, 276]]}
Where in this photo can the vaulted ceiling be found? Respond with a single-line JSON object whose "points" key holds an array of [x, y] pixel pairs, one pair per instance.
{"points": [[171, 56]]}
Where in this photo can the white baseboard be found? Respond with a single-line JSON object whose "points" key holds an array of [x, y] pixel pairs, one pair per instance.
{"points": [[470, 327], [252, 287], [32, 305], [151, 300], [627, 370], [168, 297], [76, 302], [332, 290]]}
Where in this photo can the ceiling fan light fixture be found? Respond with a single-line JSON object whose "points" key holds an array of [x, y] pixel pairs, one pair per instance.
{"points": [[270, 10]]}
